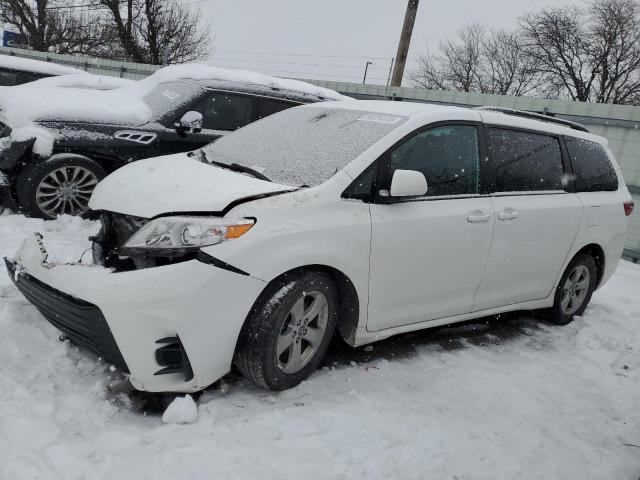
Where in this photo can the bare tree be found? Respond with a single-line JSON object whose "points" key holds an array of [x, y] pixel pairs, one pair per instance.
{"points": [[479, 61], [458, 65], [615, 47], [54, 25], [558, 41], [158, 31], [591, 55], [506, 67]]}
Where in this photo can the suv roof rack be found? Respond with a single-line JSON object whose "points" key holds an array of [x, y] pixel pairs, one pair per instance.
{"points": [[535, 116]]}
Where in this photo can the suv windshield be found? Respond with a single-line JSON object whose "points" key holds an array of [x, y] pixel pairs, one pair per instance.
{"points": [[302, 145]]}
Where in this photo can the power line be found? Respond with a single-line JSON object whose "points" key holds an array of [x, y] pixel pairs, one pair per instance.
{"points": [[301, 55], [313, 74], [242, 60]]}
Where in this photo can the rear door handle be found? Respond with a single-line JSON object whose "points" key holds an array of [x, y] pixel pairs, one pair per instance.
{"points": [[508, 214], [478, 217]]}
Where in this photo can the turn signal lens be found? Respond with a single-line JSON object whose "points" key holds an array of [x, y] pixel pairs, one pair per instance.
{"points": [[235, 231], [628, 208]]}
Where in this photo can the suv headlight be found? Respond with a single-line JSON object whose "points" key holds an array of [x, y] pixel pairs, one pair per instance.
{"points": [[186, 233]]}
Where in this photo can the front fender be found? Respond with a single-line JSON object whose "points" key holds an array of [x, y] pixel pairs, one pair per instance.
{"points": [[336, 236]]}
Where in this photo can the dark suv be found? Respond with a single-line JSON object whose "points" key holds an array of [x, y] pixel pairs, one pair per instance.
{"points": [[185, 115]]}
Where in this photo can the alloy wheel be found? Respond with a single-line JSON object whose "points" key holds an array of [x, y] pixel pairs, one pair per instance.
{"points": [[575, 289], [302, 332], [66, 190]]}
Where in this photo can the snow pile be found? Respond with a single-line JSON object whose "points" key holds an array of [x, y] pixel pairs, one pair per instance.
{"points": [[513, 399], [37, 66], [181, 410]]}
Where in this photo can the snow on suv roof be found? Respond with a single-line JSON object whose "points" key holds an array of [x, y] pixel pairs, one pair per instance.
{"points": [[22, 105]]}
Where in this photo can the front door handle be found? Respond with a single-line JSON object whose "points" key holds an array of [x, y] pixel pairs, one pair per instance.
{"points": [[508, 214], [478, 217]]}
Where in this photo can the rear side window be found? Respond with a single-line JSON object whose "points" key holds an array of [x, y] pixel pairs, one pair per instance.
{"points": [[525, 162], [447, 156], [268, 106], [591, 165], [227, 111]]}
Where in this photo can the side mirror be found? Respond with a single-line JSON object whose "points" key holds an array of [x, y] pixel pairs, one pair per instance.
{"points": [[408, 183], [191, 122]]}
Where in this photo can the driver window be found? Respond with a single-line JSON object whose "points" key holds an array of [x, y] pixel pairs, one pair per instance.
{"points": [[227, 111], [448, 157]]}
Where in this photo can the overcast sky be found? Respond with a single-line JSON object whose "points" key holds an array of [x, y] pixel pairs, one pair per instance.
{"points": [[332, 39]]}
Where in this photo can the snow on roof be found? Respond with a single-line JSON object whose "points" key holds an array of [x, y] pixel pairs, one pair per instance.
{"points": [[24, 104], [198, 71], [37, 66], [81, 80]]}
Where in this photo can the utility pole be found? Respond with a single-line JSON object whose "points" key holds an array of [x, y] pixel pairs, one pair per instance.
{"points": [[366, 67], [405, 40]]}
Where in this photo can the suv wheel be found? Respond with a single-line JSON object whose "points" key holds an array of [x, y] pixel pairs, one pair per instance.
{"points": [[61, 184], [288, 331], [574, 290]]}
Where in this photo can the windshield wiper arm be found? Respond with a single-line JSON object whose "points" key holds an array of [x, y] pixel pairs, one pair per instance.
{"points": [[236, 167]]}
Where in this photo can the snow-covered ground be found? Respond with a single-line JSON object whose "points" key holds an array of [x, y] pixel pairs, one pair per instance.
{"points": [[494, 399]]}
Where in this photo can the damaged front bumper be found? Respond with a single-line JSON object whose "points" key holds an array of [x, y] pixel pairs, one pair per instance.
{"points": [[174, 327]]}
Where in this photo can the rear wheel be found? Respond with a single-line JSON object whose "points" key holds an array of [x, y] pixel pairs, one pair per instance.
{"points": [[62, 184], [288, 331], [574, 290]]}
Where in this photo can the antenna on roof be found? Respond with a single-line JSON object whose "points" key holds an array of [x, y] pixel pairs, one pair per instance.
{"points": [[535, 116]]}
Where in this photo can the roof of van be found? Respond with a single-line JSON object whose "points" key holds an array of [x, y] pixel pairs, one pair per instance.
{"points": [[415, 109]]}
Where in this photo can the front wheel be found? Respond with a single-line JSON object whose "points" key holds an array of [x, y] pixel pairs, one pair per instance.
{"points": [[61, 184], [288, 331], [574, 290]]}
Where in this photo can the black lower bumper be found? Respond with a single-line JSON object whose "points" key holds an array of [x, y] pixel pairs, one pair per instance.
{"points": [[82, 322]]}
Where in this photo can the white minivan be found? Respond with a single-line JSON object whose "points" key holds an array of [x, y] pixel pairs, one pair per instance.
{"points": [[366, 218]]}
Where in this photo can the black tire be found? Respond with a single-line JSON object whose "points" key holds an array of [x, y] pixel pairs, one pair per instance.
{"points": [[269, 318], [33, 174], [557, 313]]}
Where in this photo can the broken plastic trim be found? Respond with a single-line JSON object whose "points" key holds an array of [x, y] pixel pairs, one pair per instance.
{"points": [[209, 260], [173, 357]]}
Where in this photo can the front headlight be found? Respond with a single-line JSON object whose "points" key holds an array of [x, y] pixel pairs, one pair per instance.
{"points": [[168, 233]]}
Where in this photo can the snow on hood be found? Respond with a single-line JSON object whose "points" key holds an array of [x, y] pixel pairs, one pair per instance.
{"points": [[175, 183]]}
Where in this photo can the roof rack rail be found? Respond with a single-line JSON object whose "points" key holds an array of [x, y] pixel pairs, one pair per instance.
{"points": [[535, 116]]}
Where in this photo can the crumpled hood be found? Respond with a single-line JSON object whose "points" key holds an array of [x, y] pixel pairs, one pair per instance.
{"points": [[175, 183]]}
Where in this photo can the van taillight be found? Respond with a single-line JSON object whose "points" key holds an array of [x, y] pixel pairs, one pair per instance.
{"points": [[628, 208]]}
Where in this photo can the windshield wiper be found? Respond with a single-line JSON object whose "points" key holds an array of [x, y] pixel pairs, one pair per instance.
{"points": [[234, 167]]}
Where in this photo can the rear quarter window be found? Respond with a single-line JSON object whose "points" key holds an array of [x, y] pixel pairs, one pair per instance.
{"points": [[591, 165]]}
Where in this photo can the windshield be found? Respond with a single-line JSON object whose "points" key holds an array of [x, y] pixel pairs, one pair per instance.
{"points": [[303, 145]]}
